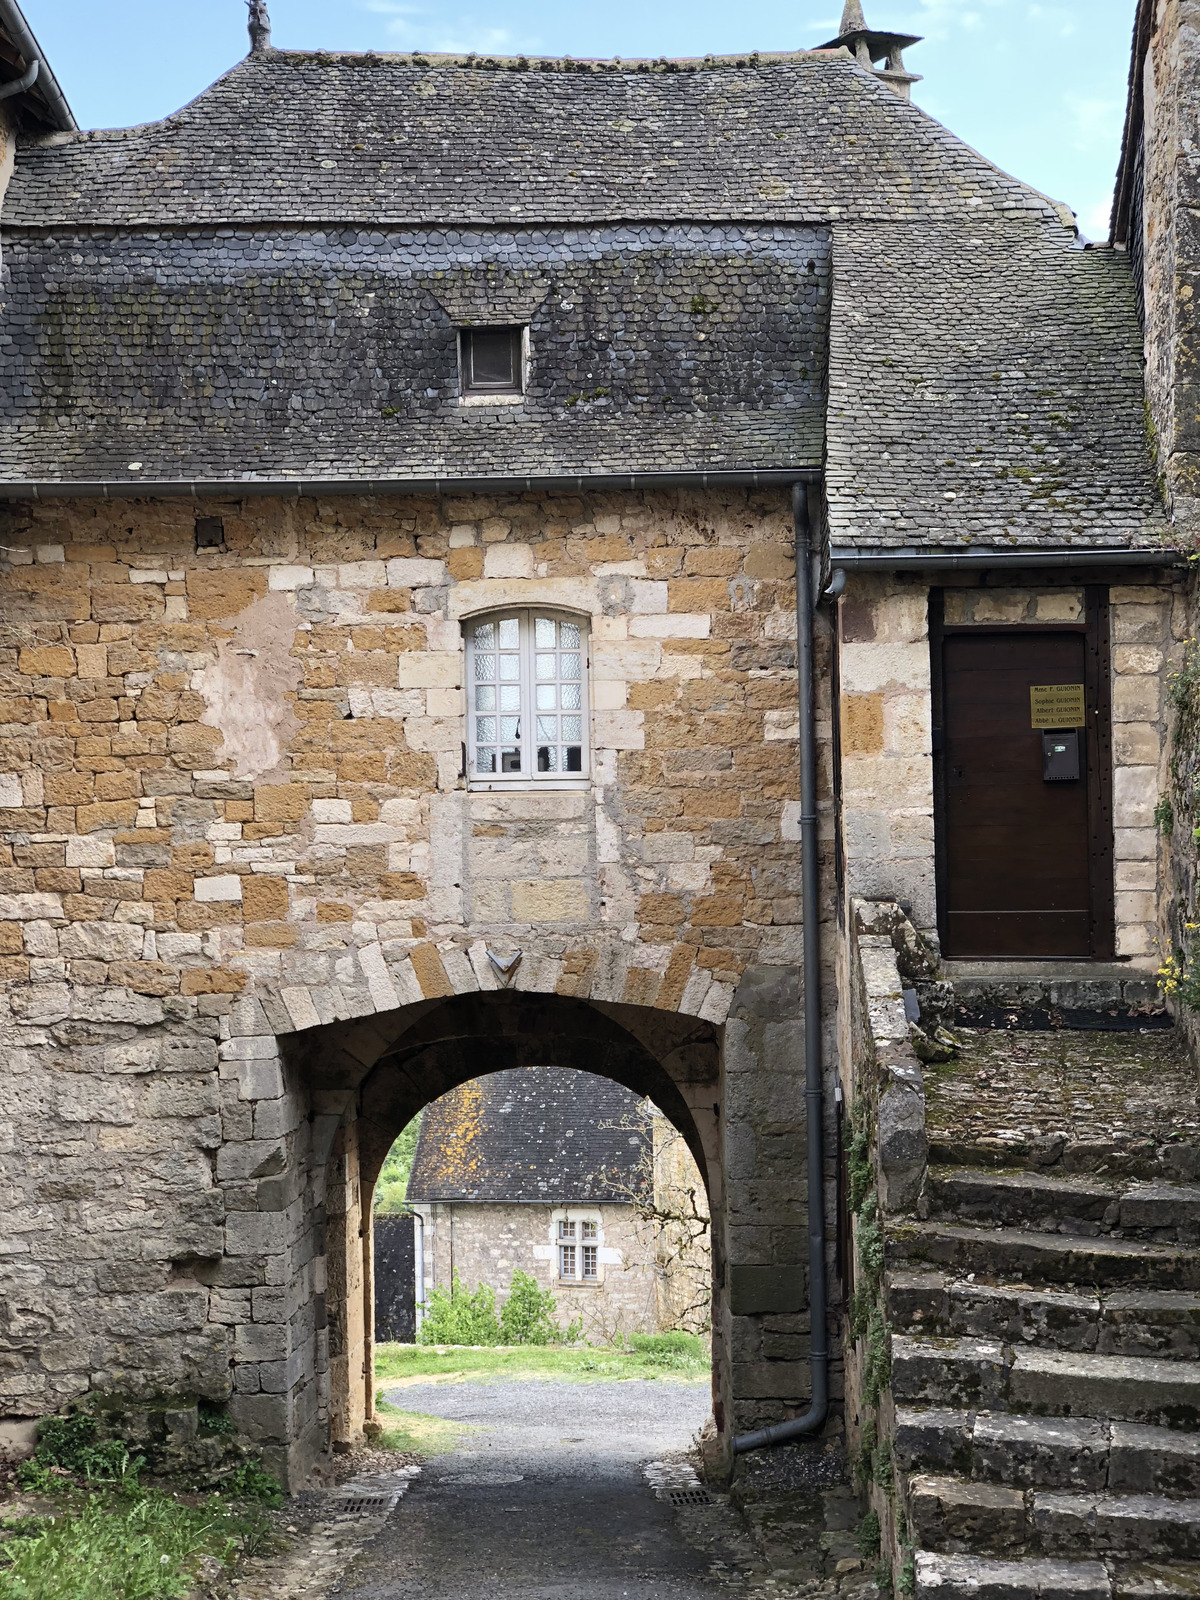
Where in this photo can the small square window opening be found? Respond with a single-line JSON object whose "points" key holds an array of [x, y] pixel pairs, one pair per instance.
{"points": [[492, 360]]}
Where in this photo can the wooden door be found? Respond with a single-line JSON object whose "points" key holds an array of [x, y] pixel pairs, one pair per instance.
{"points": [[1022, 859]]}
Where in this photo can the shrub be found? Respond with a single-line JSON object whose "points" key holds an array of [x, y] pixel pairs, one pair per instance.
{"points": [[675, 1350], [251, 1481], [527, 1316], [460, 1317], [69, 1444]]}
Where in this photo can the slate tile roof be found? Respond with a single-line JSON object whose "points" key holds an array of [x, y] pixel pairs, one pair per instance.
{"points": [[551, 1134], [298, 353], [265, 286], [310, 137], [985, 389]]}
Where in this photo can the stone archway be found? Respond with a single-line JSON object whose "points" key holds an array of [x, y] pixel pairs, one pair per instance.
{"points": [[420, 1053]]}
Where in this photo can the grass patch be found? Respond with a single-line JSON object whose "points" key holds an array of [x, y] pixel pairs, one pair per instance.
{"points": [[676, 1357], [414, 1432], [119, 1545]]}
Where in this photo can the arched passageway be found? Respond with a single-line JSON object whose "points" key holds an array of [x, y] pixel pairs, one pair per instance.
{"points": [[367, 1080]]}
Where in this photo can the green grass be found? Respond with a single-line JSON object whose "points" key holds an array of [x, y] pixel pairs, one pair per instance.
{"points": [[412, 1432], [677, 1357], [118, 1545]]}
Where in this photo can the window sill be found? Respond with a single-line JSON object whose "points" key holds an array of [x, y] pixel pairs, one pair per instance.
{"points": [[501, 398], [524, 785]]}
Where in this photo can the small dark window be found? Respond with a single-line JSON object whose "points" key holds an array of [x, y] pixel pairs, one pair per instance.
{"points": [[210, 533], [491, 360]]}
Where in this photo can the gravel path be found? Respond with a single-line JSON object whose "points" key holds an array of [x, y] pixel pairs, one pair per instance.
{"points": [[550, 1503]]}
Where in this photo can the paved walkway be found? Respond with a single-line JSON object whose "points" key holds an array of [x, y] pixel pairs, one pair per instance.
{"points": [[551, 1501]]}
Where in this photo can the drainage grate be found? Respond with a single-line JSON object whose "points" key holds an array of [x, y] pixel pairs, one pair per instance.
{"points": [[366, 1505], [689, 1497]]}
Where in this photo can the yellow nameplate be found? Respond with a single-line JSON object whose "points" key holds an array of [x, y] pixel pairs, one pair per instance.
{"points": [[1056, 705]]}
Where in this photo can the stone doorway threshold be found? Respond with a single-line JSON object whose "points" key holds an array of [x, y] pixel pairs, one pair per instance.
{"points": [[1102, 995]]}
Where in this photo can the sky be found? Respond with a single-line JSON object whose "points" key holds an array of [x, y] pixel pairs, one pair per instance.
{"points": [[1037, 88]]}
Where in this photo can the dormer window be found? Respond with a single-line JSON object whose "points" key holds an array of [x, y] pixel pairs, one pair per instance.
{"points": [[492, 362]]}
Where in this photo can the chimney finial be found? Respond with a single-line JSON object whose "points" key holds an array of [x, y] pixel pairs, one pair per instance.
{"points": [[260, 27], [853, 20], [869, 45]]}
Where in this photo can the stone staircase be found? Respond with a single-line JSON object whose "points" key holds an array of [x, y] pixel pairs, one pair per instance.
{"points": [[1045, 1313]]}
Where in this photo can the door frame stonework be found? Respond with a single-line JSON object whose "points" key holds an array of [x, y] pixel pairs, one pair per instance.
{"points": [[1096, 631]]}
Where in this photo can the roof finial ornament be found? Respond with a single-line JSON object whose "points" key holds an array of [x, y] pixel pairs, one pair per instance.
{"points": [[260, 27], [869, 45], [853, 20]]}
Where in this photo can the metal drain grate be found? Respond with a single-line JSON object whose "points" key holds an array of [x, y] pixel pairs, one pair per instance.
{"points": [[689, 1497], [366, 1505]]}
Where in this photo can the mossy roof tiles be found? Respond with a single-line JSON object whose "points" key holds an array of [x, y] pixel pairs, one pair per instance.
{"points": [[726, 265], [550, 1134]]}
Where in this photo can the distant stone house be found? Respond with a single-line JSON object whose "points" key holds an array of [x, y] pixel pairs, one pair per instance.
{"points": [[539, 1170]]}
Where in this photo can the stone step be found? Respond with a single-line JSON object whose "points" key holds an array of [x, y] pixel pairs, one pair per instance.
{"points": [[1028, 1452], [989, 1519], [1118, 1322], [1075, 1206], [1012, 1253], [1157, 1580], [966, 1374], [947, 1577]]}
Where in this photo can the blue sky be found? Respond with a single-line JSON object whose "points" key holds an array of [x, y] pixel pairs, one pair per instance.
{"points": [[1038, 88]]}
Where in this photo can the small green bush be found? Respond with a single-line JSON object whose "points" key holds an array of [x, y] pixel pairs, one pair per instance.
{"points": [[251, 1481], [69, 1444], [460, 1317], [527, 1316]]}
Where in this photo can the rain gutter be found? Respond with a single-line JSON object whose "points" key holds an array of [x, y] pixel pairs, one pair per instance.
{"points": [[814, 1084], [17, 29], [300, 488]]}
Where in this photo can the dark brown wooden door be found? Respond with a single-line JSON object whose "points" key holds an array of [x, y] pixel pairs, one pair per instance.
{"points": [[1017, 863]]}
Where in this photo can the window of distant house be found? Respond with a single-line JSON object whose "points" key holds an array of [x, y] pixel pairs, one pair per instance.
{"points": [[527, 715], [492, 362], [579, 1251]]}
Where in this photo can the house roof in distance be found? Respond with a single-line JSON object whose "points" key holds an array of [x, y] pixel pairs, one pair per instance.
{"points": [[548, 1134]]}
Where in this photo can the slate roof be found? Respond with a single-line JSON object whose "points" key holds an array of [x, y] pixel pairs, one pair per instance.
{"points": [[264, 287], [298, 137], [549, 1134], [306, 354], [995, 399]]}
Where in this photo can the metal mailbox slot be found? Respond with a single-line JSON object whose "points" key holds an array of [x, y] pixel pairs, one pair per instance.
{"points": [[1060, 756]]}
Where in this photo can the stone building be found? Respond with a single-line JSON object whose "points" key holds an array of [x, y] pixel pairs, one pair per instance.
{"points": [[407, 466], [540, 1170]]}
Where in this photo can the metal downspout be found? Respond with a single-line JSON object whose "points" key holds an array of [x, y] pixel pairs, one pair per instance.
{"points": [[814, 1087]]}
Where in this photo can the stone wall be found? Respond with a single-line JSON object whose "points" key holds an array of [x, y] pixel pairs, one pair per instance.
{"points": [[488, 1243], [887, 766], [240, 865]]}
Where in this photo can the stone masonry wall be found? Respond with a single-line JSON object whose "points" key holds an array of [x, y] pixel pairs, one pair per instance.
{"points": [[887, 767], [233, 818]]}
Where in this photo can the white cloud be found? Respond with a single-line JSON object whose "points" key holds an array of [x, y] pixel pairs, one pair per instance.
{"points": [[412, 27]]}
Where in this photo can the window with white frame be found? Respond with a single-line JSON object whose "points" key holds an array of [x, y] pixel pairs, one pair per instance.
{"points": [[527, 714], [579, 1251]]}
